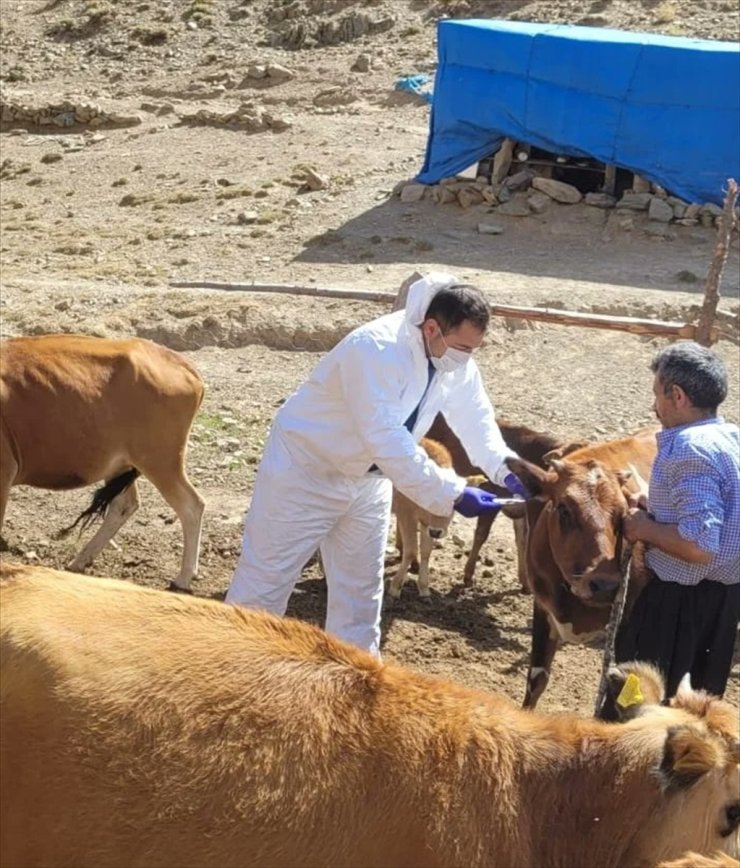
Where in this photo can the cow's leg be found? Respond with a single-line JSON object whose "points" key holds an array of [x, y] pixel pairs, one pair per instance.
{"points": [[544, 645], [120, 510], [482, 532], [189, 506], [425, 551], [408, 531], [520, 536], [8, 472]]}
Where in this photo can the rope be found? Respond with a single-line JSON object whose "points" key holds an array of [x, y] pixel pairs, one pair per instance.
{"points": [[612, 627]]}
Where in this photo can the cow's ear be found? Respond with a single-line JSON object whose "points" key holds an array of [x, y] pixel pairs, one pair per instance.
{"points": [[534, 478], [688, 754], [553, 455], [624, 476]]}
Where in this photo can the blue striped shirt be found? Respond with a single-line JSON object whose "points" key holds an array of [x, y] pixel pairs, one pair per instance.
{"points": [[695, 484]]}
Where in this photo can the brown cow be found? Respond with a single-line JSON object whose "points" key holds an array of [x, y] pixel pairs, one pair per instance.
{"points": [[76, 410], [528, 444], [145, 729], [416, 529], [696, 860], [574, 544]]}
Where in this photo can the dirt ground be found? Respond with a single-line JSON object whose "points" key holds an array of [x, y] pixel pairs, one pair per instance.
{"points": [[96, 223]]}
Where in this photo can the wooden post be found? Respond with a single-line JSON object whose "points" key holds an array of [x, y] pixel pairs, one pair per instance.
{"points": [[502, 161], [610, 178], [704, 334]]}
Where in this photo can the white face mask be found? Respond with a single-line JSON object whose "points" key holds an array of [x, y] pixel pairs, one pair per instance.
{"points": [[450, 360]]}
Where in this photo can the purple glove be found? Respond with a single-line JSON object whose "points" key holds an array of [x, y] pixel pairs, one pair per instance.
{"points": [[474, 501], [516, 486]]}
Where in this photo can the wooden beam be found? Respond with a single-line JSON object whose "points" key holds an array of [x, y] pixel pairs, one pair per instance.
{"points": [[597, 321], [539, 314]]}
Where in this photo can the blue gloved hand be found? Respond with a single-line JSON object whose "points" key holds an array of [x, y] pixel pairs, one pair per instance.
{"points": [[516, 486], [474, 501]]}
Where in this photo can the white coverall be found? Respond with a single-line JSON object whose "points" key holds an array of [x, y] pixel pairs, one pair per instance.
{"points": [[314, 488]]}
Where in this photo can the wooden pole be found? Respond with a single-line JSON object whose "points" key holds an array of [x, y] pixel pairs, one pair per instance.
{"points": [[704, 330], [632, 325]]}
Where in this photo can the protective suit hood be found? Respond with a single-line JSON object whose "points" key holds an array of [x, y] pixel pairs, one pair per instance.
{"points": [[421, 294]]}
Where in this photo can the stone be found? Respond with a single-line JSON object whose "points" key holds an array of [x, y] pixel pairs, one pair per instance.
{"points": [[692, 211], [635, 201], [504, 195], [489, 194], [519, 180], [247, 217], [711, 208], [640, 184], [445, 195], [469, 196], [558, 190], [514, 208], [314, 181], [538, 203], [413, 193], [659, 230], [490, 229], [660, 210], [679, 210], [687, 221], [600, 200], [278, 72], [362, 64], [256, 70]]}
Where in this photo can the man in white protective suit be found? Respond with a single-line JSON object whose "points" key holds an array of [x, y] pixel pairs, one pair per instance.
{"points": [[350, 433]]}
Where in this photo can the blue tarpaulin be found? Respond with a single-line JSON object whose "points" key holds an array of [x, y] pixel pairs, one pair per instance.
{"points": [[665, 107]]}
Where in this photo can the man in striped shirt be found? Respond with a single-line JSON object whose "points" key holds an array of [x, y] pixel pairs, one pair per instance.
{"points": [[685, 621]]}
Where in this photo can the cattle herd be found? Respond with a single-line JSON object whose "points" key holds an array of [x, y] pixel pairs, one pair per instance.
{"points": [[141, 728]]}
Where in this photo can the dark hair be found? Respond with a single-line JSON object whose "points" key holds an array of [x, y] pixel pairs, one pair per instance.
{"points": [[699, 371], [457, 303]]}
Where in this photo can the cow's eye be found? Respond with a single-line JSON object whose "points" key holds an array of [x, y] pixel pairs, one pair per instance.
{"points": [[565, 516], [732, 818]]}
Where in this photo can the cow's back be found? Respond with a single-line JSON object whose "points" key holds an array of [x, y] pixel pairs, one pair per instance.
{"points": [[182, 732], [77, 408], [637, 451]]}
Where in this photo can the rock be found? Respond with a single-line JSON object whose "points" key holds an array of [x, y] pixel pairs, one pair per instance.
{"points": [[659, 230], [519, 181], [413, 192], [489, 194], [444, 195], [685, 276], [635, 201], [362, 64], [558, 190], [278, 72], [469, 196], [315, 182], [256, 70], [123, 120], [247, 217], [692, 211], [679, 210], [490, 229], [514, 208], [538, 203], [600, 200], [333, 96], [504, 195], [687, 221], [640, 184], [711, 208], [660, 210]]}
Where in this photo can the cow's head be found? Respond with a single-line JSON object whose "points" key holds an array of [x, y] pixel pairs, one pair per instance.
{"points": [[698, 774], [581, 520]]}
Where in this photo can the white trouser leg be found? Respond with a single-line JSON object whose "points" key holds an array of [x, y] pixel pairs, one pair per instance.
{"points": [[289, 515], [353, 557]]}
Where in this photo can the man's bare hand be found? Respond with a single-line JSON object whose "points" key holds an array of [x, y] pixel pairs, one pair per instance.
{"points": [[637, 525], [638, 501]]}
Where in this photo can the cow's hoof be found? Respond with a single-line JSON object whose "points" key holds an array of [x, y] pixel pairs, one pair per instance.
{"points": [[177, 589]]}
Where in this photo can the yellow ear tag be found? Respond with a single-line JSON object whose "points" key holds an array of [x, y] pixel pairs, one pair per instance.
{"points": [[630, 693]]}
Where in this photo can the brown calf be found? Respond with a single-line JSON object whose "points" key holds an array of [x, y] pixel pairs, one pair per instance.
{"points": [[417, 529], [528, 444], [147, 730], [76, 410], [574, 543]]}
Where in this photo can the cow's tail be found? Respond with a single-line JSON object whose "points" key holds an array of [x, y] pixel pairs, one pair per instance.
{"points": [[102, 499]]}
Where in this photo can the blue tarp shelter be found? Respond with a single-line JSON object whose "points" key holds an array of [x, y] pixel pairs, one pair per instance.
{"points": [[665, 107]]}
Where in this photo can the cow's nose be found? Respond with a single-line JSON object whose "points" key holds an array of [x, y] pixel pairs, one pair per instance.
{"points": [[436, 533], [603, 586]]}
